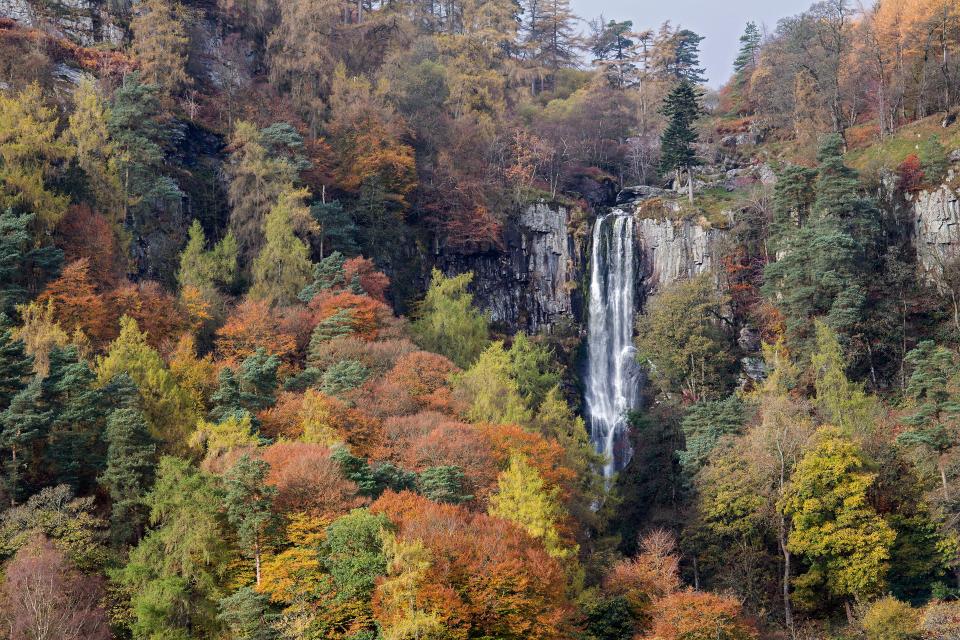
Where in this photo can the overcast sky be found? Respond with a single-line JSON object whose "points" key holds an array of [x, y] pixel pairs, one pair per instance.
{"points": [[721, 21]]}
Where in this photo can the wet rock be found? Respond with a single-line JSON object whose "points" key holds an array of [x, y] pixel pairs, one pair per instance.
{"points": [[531, 283]]}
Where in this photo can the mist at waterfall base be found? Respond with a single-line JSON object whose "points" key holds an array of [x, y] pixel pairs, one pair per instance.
{"points": [[612, 373]]}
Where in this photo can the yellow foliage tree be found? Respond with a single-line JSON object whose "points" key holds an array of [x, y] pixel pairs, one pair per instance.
{"points": [[171, 411], [523, 498], [160, 44], [40, 333], [283, 267], [400, 615], [492, 395], [87, 133], [217, 438], [30, 153]]}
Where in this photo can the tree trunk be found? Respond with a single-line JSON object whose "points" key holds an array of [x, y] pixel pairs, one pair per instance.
{"points": [[787, 557], [690, 183], [943, 479], [256, 559]]}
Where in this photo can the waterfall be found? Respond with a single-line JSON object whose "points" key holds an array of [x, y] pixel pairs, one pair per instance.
{"points": [[612, 379]]}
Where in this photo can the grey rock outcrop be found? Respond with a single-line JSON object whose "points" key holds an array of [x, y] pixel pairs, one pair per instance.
{"points": [[86, 22], [936, 229], [675, 250], [530, 284]]}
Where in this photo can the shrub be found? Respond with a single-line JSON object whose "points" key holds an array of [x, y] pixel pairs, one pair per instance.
{"points": [[891, 619]]}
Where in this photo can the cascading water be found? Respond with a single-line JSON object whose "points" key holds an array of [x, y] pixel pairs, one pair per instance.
{"points": [[612, 371]]}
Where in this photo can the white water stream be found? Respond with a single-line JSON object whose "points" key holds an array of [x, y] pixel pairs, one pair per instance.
{"points": [[612, 380]]}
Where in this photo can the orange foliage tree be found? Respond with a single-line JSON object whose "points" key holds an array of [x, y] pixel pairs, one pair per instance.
{"points": [[699, 615], [77, 304], [83, 233], [308, 481], [487, 577], [432, 440], [374, 283], [157, 312], [544, 454], [365, 311], [417, 382], [250, 326]]}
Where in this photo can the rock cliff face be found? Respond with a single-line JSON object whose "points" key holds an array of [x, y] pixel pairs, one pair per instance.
{"points": [[936, 228], [86, 22], [532, 283], [537, 279], [674, 250]]}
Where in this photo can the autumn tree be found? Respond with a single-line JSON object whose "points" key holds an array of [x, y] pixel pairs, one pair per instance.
{"points": [[492, 394], [31, 153], [460, 543], [447, 322], [523, 498], [88, 134], [396, 605], [160, 43], [263, 164], [834, 526], [697, 614], [301, 53], [170, 410], [282, 267], [205, 268]]}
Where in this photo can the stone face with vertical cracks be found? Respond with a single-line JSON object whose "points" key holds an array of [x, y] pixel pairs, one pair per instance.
{"points": [[674, 250], [86, 22], [529, 284], [936, 228]]}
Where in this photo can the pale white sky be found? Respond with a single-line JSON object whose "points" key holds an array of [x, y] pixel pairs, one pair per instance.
{"points": [[721, 22]]}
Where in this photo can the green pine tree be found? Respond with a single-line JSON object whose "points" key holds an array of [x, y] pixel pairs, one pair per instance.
{"points": [[826, 260], [249, 502], [22, 424], [24, 266], [327, 274], [248, 615], [74, 450], [747, 55], [343, 376], [16, 367], [703, 426], [129, 472], [252, 388], [677, 153], [935, 411], [443, 484], [338, 232]]}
